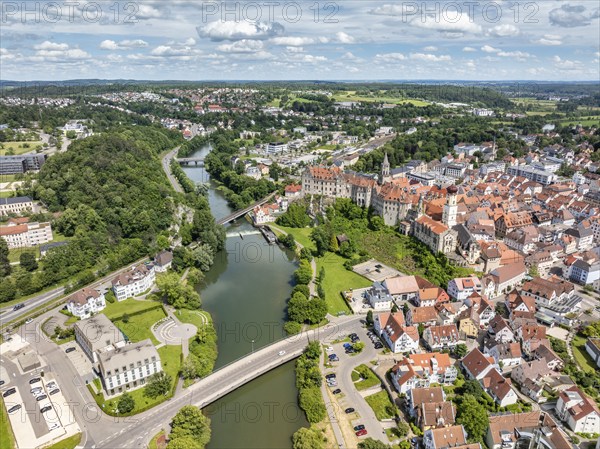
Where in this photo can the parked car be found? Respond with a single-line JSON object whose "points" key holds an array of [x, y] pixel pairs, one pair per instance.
{"points": [[52, 392], [14, 408], [53, 426], [35, 380], [330, 376], [29, 320], [71, 349], [334, 359], [329, 349], [41, 397], [51, 385], [361, 433], [38, 393], [349, 410], [9, 392], [359, 427], [337, 391], [45, 409], [347, 345], [35, 390], [378, 345], [2, 382]]}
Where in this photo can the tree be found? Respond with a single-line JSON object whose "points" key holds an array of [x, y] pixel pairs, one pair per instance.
{"points": [[183, 443], [313, 350], [461, 350], [8, 291], [126, 403], [28, 262], [370, 443], [311, 402], [294, 217], [358, 346], [203, 257], [334, 246], [310, 438], [191, 422], [158, 384], [403, 428], [370, 317], [533, 271], [304, 272], [5, 268], [474, 417], [189, 367]]}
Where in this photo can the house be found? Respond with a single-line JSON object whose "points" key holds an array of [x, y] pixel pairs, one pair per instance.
{"points": [[427, 316], [23, 234], [134, 282], [127, 367], [547, 292], [507, 277], [441, 337], [482, 307], [461, 288], [422, 370], [402, 288], [578, 411], [293, 191], [378, 297], [476, 365], [431, 296], [392, 329], [592, 346], [520, 306], [96, 333], [468, 323], [434, 234], [163, 261], [447, 437], [448, 312], [504, 431], [499, 330], [264, 214], [499, 388], [532, 371], [553, 361], [419, 396], [86, 302], [16, 205], [506, 354], [584, 273], [436, 414]]}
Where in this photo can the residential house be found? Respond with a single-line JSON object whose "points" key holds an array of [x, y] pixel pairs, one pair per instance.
{"points": [[96, 333], [499, 388], [553, 361], [584, 273], [506, 354], [163, 261], [476, 365], [461, 288], [507, 277], [529, 376], [447, 437], [592, 346], [23, 234], [436, 415], [86, 302], [441, 337], [393, 330], [134, 282], [293, 191], [500, 331], [422, 370], [431, 296], [419, 396], [578, 411], [128, 367], [426, 316], [538, 428], [468, 323], [16, 205], [378, 297]]}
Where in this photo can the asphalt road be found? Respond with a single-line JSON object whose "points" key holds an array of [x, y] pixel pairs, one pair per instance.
{"points": [[10, 314], [167, 169]]}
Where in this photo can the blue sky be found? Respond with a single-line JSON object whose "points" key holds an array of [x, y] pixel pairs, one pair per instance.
{"points": [[277, 40]]}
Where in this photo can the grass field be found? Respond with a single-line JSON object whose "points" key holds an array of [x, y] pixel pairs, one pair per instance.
{"points": [[67, 443], [17, 148], [337, 280], [583, 121], [302, 235], [170, 357], [139, 327], [7, 439], [193, 317], [8, 178], [582, 358], [153, 442], [369, 382], [118, 308], [381, 405]]}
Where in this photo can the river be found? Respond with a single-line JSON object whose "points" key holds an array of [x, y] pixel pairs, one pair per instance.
{"points": [[245, 292]]}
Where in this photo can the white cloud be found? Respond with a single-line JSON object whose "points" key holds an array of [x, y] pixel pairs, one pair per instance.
{"points": [[243, 46], [173, 50], [469, 49], [123, 45], [295, 49], [429, 57], [450, 26], [566, 64], [344, 38], [389, 10], [506, 30], [47, 45], [520, 55], [549, 39], [391, 57], [292, 41], [6, 55], [231, 30], [571, 16], [430, 48], [147, 12], [489, 49]]}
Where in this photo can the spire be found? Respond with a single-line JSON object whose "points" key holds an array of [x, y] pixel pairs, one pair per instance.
{"points": [[385, 169]]}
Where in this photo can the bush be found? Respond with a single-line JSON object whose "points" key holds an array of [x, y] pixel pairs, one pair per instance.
{"points": [[302, 289], [126, 403], [292, 328], [311, 402]]}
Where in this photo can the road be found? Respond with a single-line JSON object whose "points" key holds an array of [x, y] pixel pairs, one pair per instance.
{"points": [[167, 169], [103, 431]]}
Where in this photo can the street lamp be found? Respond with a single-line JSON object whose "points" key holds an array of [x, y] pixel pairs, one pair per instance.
{"points": [[252, 346]]}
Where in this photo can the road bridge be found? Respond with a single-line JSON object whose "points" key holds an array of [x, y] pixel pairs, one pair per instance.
{"points": [[240, 213], [190, 160]]}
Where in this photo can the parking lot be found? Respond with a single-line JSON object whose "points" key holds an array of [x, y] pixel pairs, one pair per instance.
{"points": [[80, 361]]}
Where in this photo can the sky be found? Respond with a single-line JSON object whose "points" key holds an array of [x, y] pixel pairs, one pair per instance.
{"points": [[554, 40]]}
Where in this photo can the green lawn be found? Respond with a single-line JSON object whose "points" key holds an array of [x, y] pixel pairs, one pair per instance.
{"points": [[118, 308], [67, 443], [153, 442], [7, 440], [583, 121], [139, 327], [337, 280], [8, 178], [170, 357], [14, 255], [16, 148], [381, 405], [302, 235], [370, 381], [193, 317], [582, 358]]}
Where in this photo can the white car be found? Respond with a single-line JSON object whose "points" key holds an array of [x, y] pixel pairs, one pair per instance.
{"points": [[29, 320], [329, 349], [281, 352]]}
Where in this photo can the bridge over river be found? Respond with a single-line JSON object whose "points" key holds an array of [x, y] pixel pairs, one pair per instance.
{"points": [[138, 429]]}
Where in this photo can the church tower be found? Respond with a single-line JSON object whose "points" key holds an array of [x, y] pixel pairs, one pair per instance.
{"points": [[451, 207], [385, 170]]}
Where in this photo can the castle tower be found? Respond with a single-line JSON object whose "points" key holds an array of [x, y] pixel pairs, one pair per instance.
{"points": [[451, 207], [385, 170]]}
